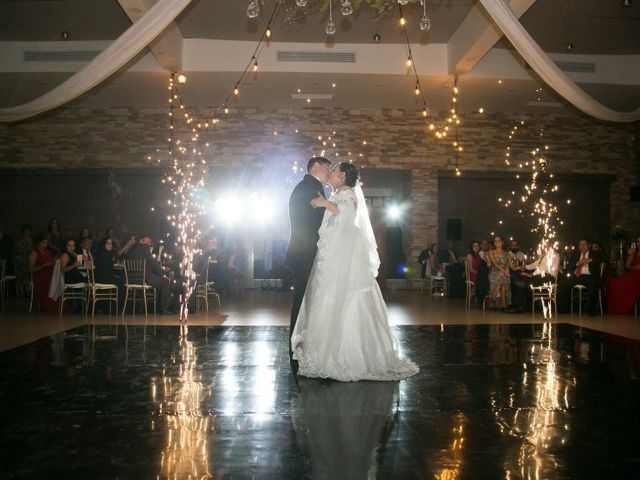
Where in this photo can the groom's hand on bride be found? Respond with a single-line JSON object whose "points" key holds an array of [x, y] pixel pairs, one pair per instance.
{"points": [[319, 201]]}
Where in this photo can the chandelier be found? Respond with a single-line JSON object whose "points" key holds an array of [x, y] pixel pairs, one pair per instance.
{"points": [[347, 7]]}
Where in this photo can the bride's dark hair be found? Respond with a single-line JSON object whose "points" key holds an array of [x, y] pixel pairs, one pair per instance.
{"points": [[351, 173]]}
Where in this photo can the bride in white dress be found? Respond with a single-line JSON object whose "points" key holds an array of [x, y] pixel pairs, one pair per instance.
{"points": [[342, 331]]}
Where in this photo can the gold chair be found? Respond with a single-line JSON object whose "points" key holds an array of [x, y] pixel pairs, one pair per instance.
{"points": [[437, 283], [547, 292], [100, 292], [73, 291], [135, 282], [207, 289], [580, 288]]}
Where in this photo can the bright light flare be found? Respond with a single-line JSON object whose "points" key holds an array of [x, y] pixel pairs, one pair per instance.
{"points": [[394, 212]]}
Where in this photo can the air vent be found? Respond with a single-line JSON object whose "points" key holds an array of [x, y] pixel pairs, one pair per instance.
{"points": [[311, 96], [343, 57], [60, 55], [577, 67]]}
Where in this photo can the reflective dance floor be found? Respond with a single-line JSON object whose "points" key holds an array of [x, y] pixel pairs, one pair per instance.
{"points": [[495, 400]]}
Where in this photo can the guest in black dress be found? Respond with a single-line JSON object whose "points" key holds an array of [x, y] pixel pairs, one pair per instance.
{"points": [[104, 261]]}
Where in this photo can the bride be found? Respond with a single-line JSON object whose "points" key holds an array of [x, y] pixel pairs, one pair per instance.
{"points": [[342, 331]]}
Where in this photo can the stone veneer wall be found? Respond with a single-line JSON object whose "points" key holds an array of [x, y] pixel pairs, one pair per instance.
{"points": [[77, 138]]}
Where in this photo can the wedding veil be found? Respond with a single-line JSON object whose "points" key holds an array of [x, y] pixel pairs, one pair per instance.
{"points": [[367, 240]]}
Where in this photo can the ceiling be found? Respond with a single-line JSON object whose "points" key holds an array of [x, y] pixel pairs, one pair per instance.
{"points": [[593, 27]]}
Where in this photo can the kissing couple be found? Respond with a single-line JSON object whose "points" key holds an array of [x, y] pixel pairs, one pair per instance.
{"points": [[339, 321]]}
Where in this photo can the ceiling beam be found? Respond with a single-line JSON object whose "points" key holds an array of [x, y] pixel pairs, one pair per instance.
{"points": [[476, 35], [167, 47]]}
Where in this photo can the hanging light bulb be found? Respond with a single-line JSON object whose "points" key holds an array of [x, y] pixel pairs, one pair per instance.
{"points": [[417, 88], [330, 29], [268, 32], [236, 91], [255, 64], [403, 22], [425, 111], [253, 9], [346, 8], [409, 61]]}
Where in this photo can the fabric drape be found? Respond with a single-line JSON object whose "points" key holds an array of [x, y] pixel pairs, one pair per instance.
{"points": [[547, 69], [110, 60]]}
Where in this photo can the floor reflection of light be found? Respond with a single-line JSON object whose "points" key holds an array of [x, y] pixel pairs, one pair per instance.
{"points": [[230, 353], [264, 390], [539, 427], [453, 454], [185, 454]]}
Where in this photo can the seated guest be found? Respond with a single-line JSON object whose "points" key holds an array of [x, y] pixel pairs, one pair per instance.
{"points": [[429, 261], [217, 271], [69, 263], [111, 233], [84, 233], [485, 246], [499, 277], [23, 248], [41, 267], [86, 249], [100, 236], [543, 270], [103, 262], [449, 256], [623, 291], [473, 260], [54, 237], [154, 275], [519, 283], [585, 264]]}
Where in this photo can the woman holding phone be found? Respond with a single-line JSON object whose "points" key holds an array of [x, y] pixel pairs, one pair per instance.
{"points": [[623, 291]]}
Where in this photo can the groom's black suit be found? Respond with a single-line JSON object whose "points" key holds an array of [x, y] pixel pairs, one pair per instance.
{"points": [[305, 222]]}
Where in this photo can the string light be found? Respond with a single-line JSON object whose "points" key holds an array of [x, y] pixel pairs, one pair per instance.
{"points": [[268, 32]]}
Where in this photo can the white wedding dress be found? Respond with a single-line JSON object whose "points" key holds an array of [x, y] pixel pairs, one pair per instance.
{"points": [[342, 331]]}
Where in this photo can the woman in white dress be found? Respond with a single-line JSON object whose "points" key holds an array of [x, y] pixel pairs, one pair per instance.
{"points": [[342, 331]]}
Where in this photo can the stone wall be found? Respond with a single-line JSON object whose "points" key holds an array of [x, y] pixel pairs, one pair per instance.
{"points": [[135, 138]]}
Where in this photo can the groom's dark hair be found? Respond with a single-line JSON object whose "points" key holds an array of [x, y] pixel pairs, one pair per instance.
{"points": [[315, 160]]}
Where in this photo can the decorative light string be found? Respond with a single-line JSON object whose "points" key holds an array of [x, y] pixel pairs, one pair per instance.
{"points": [[412, 64]]}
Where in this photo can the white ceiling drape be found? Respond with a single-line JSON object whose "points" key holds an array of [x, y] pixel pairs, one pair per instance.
{"points": [[547, 69], [110, 60]]}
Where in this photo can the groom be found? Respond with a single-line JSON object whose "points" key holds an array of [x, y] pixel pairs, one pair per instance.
{"points": [[305, 222]]}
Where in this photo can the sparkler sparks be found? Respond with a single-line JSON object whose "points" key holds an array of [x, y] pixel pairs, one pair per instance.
{"points": [[186, 174]]}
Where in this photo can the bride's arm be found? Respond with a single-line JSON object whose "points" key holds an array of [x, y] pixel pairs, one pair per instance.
{"points": [[320, 201]]}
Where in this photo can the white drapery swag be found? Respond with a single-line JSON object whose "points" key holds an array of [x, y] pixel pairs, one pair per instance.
{"points": [[547, 69], [110, 60]]}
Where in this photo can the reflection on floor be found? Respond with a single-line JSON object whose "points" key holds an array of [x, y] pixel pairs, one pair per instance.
{"points": [[492, 401]]}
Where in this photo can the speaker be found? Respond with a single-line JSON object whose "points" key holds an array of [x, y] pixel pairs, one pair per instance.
{"points": [[454, 229], [634, 193]]}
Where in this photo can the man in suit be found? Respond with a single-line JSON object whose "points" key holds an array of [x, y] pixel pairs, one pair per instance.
{"points": [[305, 222], [154, 274], [585, 266]]}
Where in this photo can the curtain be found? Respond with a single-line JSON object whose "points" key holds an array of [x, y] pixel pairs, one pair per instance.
{"points": [[547, 69], [110, 60]]}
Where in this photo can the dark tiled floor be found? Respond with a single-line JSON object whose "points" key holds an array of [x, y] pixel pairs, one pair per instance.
{"points": [[494, 401]]}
